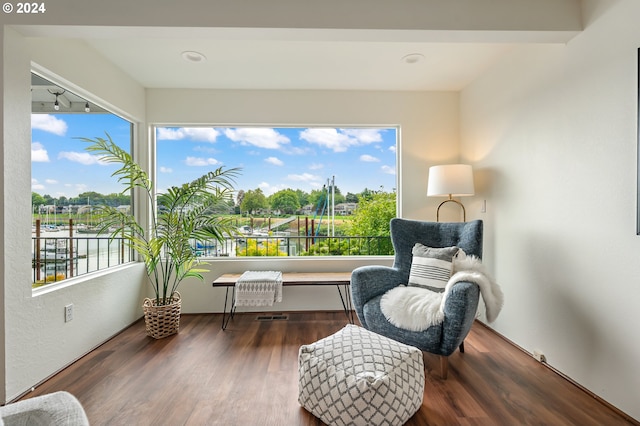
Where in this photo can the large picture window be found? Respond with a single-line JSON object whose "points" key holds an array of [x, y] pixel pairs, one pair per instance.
{"points": [[67, 183], [301, 192]]}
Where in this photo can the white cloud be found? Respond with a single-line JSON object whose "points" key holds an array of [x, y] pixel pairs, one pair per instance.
{"points": [[369, 158], [205, 134], [39, 153], [260, 137], [392, 148], [304, 177], [199, 161], [48, 123], [51, 181], [314, 181], [328, 138], [339, 140], [364, 136], [81, 187], [166, 169], [36, 185], [269, 189], [81, 157], [275, 161], [388, 170], [316, 166]]}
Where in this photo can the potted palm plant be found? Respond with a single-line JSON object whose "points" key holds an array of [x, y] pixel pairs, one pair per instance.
{"points": [[183, 215]]}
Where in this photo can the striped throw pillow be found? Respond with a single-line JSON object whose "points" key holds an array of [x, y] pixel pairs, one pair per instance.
{"points": [[431, 267]]}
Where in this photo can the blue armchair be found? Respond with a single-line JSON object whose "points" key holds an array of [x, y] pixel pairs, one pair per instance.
{"points": [[369, 283]]}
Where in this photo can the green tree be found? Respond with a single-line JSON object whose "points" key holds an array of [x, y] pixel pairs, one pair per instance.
{"points": [[48, 199], [351, 197], [93, 198], [373, 215], [367, 194], [37, 199], [115, 200], [318, 197], [315, 198], [340, 199], [303, 197], [285, 200], [253, 200], [371, 219]]}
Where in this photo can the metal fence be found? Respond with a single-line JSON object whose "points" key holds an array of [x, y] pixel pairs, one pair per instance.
{"points": [[296, 246], [57, 258]]}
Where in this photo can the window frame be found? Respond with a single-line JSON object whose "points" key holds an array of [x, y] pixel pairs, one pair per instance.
{"points": [[153, 131]]}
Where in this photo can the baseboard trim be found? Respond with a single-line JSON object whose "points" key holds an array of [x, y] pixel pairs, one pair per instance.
{"points": [[564, 376], [28, 391]]}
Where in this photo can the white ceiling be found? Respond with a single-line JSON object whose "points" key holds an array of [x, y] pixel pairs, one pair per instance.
{"points": [[321, 45], [309, 58], [299, 64], [304, 59]]}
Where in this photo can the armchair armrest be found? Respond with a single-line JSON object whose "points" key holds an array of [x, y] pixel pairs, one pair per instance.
{"points": [[460, 310], [59, 408], [368, 282]]}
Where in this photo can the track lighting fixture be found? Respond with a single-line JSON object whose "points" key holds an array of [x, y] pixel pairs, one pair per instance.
{"points": [[87, 108]]}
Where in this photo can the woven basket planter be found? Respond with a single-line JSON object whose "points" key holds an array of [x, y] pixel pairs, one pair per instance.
{"points": [[164, 320]]}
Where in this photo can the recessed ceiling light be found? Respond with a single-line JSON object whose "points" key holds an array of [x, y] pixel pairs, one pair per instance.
{"points": [[412, 58], [193, 56]]}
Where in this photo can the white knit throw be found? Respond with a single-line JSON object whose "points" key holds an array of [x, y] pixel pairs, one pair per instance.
{"points": [[259, 288]]}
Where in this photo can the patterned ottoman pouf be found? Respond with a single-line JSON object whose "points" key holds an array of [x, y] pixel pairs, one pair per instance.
{"points": [[357, 377]]}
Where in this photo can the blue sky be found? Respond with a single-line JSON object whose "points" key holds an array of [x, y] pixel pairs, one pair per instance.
{"points": [[60, 166], [270, 158]]}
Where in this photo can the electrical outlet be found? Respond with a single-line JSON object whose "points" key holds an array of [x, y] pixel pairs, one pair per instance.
{"points": [[539, 356], [68, 312]]}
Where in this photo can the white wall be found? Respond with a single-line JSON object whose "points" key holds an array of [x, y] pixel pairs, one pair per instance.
{"points": [[552, 133], [37, 342], [429, 132]]}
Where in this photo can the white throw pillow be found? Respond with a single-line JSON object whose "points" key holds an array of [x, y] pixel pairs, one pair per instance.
{"points": [[431, 267]]}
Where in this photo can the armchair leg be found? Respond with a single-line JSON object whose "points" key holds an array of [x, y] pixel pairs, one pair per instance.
{"points": [[444, 366], [462, 347]]}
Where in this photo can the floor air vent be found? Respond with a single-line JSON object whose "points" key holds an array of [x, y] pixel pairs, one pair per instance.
{"points": [[278, 317]]}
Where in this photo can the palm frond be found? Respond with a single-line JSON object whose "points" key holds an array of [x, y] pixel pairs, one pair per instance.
{"points": [[130, 173], [183, 214]]}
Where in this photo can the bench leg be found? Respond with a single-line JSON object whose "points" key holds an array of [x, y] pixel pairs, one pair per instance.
{"points": [[225, 318]]}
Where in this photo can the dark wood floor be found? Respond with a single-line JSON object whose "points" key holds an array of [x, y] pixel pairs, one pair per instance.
{"points": [[247, 375]]}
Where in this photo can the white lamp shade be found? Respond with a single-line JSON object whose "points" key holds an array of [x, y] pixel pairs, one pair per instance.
{"points": [[450, 179]]}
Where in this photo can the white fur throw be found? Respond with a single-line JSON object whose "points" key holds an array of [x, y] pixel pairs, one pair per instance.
{"points": [[416, 309]]}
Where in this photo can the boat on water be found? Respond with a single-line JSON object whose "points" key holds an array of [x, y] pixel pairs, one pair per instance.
{"points": [[55, 251], [55, 261]]}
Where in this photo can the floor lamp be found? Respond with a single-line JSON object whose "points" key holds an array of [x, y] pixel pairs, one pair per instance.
{"points": [[452, 180]]}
